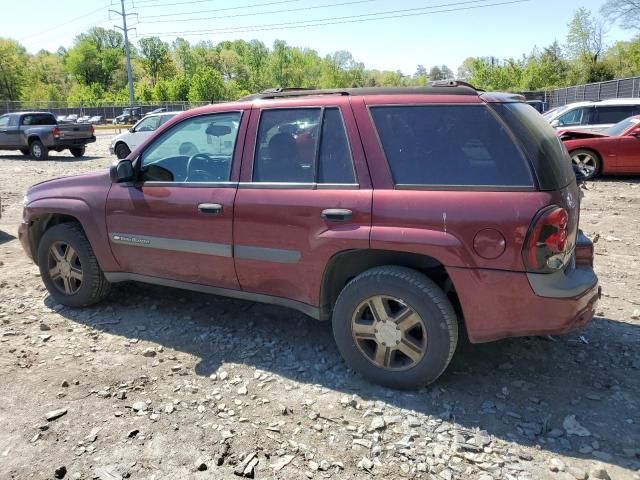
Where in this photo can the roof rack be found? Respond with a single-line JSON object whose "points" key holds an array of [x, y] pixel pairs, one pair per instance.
{"points": [[449, 87]]}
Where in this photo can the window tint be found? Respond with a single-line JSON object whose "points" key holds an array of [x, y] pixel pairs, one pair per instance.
{"points": [[4, 120], [287, 148], [165, 118], [614, 113], [198, 149], [449, 145], [38, 119], [335, 164], [286, 145], [541, 144]]}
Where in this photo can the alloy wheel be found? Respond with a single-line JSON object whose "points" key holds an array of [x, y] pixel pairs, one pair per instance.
{"points": [[37, 151], [389, 332], [586, 162], [64, 267]]}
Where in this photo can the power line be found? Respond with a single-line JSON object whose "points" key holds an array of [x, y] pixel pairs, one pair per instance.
{"points": [[236, 15], [223, 9], [55, 27], [343, 20]]}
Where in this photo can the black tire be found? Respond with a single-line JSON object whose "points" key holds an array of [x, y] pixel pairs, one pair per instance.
{"points": [[425, 298], [25, 151], [38, 151], [122, 151], [94, 286], [595, 164], [77, 152]]}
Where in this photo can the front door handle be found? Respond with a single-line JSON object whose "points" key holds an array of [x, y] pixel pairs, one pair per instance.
{"points": [[337, 214], [210, 208]]}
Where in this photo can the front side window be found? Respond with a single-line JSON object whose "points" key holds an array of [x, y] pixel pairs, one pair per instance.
{"points": [[449, 145], [573, 117], [303, 145], [614, 114], [148, 124], [198, 149]]}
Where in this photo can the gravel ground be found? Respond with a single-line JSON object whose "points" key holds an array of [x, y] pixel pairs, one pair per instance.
{"points": [[156, 383]]}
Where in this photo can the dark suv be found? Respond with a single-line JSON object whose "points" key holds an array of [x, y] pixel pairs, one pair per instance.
{"points": [[399, 214]]}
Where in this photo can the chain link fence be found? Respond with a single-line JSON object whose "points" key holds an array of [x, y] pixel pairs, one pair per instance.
{"points": [[106, 110]]}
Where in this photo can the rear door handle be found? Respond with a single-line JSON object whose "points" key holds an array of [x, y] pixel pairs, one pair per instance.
{"points": [[337, 214], [210, 208]]}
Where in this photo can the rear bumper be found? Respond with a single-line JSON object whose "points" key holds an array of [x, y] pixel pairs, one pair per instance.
{"points": [[72, 143], [499, 304]]}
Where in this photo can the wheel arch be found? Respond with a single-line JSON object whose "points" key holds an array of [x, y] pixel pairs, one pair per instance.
{"points": [[32, 138], [42, 222], [345, 265]]}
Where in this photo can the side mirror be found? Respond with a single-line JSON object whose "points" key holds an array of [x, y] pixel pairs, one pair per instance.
{"points": [[122, 171], [555, 123], [132, 130]]}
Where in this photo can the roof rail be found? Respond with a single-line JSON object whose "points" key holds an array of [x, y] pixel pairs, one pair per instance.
{"points": [[434, 88]]}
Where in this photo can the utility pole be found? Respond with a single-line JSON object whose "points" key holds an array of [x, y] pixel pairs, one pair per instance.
{"points": [[127, 52]]}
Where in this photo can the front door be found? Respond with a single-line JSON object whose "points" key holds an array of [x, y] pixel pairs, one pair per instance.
{"points": [[4, 126], [628, 159], [304, 196], [175, 222]]}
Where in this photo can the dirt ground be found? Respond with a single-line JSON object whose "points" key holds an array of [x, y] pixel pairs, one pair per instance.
{"points": [[158, 383]]}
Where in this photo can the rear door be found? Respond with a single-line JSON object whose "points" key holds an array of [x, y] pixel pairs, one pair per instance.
{"points": [[305, 195], [175, 223]]}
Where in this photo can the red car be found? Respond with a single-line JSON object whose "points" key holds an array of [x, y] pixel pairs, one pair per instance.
{"points": [[613, 151], [400, 215]]}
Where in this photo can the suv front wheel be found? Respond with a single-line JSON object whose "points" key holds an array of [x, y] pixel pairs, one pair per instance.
{"points": [[395, 326], [69, 268]]}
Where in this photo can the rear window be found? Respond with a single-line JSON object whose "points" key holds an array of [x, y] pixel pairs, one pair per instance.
{"points": [[449, 145], [39, 119], [540, 143]]}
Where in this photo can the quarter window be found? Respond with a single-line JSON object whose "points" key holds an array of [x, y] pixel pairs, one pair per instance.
{"points": [[304, 145], [461, 145], [613, 114], [198, 149]]}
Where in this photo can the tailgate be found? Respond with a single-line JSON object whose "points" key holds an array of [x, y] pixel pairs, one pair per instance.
{"points": [[75, 131]]}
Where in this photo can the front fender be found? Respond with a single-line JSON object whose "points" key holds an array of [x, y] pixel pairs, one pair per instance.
{"points": [[92, 222]]}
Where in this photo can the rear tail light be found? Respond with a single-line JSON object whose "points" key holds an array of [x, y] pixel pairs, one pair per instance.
{"points": [[546, 245], [56, 132]]}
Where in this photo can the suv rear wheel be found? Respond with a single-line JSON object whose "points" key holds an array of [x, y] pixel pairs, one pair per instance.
{"points": [[395, 326], [69, 268]]}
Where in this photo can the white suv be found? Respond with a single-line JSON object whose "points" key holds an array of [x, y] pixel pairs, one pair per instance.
{"points": [[593, 116], [122, 145]]}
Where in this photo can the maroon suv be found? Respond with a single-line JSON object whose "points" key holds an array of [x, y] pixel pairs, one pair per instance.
{"points": [[399, 214]]}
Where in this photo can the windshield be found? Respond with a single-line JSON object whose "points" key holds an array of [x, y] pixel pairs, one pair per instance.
{"points": [[620, 127]]}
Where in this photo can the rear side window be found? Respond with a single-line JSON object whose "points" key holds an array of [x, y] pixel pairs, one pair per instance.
{"points": [[540, 143], [303, 145], [614, 113], [39, 119], [449, 145], [4, 120]]}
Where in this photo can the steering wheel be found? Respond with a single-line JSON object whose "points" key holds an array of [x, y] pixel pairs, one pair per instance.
{"points": [[203, 174]]}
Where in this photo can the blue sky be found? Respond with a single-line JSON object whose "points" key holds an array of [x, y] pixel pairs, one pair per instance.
{"points": [[401, 43]]}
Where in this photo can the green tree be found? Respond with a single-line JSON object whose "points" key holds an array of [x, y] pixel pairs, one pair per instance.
{"points": [[585, 44], [13, 57], [207, 84], [156, 59]]}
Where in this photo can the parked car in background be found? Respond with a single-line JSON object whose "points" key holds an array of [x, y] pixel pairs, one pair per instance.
{"points": [[157, 110], [128, 116], [399, 214], [123, 144], [615, 150], [61, 118], [73, 118], [36, 133], [97, 120], [594, 116], [83, 119]]}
